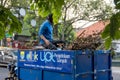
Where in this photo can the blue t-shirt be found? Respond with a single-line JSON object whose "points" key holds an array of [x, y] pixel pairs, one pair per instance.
{"points": [[46, 30]]}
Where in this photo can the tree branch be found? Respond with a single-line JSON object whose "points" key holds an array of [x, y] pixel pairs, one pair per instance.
{"points": [[1, 2], [5, 2], [71, 3], [68, 33], [66, 8]]}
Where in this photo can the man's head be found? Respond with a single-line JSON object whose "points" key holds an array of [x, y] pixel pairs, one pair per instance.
{"points": [[50, 18]]}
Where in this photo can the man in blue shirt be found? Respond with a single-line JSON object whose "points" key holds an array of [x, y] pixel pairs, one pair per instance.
{"points": [[46, 32]]}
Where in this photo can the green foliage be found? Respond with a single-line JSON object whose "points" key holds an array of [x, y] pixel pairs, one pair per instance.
{"points": [[20, 3], [27, 27], [106, 32], [82, 9], [108, 43], [112, 31], [8, 22], [69, 36], [114, 25], [46, 7], [27, 24], [117, 3], [28, 17]]}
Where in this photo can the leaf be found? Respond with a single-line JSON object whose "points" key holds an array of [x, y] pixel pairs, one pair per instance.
{"points": [[117, 34], [46, 7], [118, 6], [115, 1], [108, 43], [8, 22], [106, 32], [56, 15], [32, 6], [59, 3], [114, 24], [31, 1]]}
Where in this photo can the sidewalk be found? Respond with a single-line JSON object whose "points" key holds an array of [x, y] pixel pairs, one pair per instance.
{"points": [[116, 70], [116, 73]]}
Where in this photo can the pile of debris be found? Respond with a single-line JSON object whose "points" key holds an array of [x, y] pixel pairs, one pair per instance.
{"points": [[87, 42]]}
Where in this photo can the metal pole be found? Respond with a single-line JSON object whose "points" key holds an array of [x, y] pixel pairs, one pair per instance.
{"points": [[0, 42]]}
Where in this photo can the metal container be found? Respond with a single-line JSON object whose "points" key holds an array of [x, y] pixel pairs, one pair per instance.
{"points": [[63, 65], [102, 65], [30, 74]]}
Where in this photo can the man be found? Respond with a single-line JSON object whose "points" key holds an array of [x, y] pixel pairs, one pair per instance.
{"points": [[46, 33]]}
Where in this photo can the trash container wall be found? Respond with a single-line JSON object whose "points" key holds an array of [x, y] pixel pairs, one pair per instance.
{"points": [[83, 63], [103, 75], [30, 74], [86, 76], [84, 67], [49, 75], [76, 66], [83, 70], [101, 61], [102, 66]]}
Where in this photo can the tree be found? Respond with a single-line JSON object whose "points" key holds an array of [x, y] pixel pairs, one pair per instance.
{"points": [[76, 10], [91, 10], [28, 29], [69, 34], [112, 30], [45, 7], [82, 9], [8, 22]]}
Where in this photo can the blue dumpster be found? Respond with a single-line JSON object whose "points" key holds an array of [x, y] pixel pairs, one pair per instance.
{"points": [[102, 65], [84, 66], [30, 74], [62, 65], [50, 75]]}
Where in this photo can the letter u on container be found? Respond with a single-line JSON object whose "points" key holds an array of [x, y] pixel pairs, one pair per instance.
{"points": [[47, 57]]}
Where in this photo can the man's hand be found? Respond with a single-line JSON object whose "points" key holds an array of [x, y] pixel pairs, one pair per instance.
{"points": [[47, 42]]}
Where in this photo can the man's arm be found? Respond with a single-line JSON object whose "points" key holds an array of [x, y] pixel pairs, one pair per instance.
{"points": [[40, 33], [45, 40]]}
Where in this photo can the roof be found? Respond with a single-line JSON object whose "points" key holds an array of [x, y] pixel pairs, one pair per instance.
{"points": [[97, 27]]}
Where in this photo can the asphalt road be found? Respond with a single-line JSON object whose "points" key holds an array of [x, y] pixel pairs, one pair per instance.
{"points": [[115, 73], [3, 73]]}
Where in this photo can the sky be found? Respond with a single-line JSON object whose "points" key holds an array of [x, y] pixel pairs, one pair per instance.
{"points": [[110, 2], [82, 23]]}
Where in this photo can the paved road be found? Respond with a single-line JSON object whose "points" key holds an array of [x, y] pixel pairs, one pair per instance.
{"points": [[115, 71], [3, 73]]}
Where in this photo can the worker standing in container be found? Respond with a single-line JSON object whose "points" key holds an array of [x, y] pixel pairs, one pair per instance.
{"points": [[45, 33]]}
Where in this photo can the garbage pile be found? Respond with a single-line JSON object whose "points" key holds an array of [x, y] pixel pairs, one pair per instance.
{"points": [[87, 42]]}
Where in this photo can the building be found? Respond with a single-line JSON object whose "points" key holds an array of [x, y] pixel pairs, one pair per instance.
{"points": [[97, 27]]}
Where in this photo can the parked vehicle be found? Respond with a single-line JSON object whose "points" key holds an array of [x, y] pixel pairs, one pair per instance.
{"points": [[12, 67], [1, 56], [7, 56]]}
